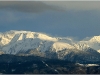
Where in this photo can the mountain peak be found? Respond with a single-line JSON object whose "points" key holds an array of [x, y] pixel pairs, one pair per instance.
{"points": [[95, 39], [7, 37]]}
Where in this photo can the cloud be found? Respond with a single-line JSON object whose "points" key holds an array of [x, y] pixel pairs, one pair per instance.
{"points": [[76, 5], [26, 6], [40, 6]]}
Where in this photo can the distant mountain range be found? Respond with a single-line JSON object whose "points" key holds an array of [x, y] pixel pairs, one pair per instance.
{"points": [[26, 43]]}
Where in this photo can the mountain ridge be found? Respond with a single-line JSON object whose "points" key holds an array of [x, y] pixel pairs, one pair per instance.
{"points": [[40, 44]]}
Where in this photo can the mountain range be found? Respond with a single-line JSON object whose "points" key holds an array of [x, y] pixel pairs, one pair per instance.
{"points": [[26, 43]]}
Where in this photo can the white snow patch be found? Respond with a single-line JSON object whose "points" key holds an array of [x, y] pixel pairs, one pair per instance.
{"points": [[98, 51], [60, 46], [92, 65]]}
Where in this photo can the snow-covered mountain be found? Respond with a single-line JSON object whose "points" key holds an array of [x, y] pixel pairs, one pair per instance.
{"points": [[13, 42], [40, 44]]}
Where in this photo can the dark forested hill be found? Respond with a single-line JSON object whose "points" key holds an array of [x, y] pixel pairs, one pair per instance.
{"points": [[11, 64]]}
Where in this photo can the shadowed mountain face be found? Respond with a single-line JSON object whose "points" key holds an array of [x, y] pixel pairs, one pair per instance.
{"points": [[26, 43]]}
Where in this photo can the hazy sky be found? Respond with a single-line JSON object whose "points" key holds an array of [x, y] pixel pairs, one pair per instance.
{"points": [[58, 18]]}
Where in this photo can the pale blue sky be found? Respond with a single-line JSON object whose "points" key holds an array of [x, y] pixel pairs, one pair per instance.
{"points": [[77, 19]]}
